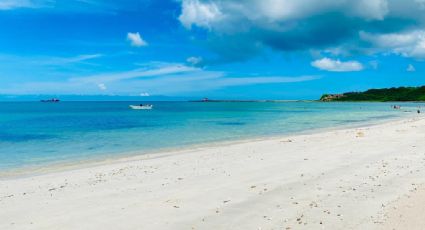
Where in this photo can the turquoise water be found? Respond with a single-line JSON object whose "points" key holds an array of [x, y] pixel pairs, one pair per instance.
{"points": [[37, 134]]}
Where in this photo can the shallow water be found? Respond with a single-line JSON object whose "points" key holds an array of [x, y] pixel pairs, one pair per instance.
{"points": [[36, 134]]}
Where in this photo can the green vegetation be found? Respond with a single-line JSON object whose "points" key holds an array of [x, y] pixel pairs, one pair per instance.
{"points": [[381, 95]]}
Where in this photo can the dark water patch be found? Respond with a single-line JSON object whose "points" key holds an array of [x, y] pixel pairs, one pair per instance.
{"points": [[350, 121], [300, 111], [235, 123], [307, 123], [87, 123], [383, 116]]}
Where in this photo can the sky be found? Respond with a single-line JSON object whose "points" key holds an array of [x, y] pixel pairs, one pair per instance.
{"points": [[224, 49]]}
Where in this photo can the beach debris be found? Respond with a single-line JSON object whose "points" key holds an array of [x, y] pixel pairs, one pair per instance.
{"points": [[287, 141], [299, 219], [313, 204], [360, 134]]}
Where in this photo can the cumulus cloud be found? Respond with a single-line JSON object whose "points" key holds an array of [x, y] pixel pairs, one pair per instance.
{"points": [[337, 65], [198, 13], [296, 9], [410, 68], [102, 86], [145, 94], [408, 44], [194, 60], [298, 25], [136, 40]]}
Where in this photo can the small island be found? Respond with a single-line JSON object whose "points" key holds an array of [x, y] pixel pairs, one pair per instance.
{"points": [[380, 95]]}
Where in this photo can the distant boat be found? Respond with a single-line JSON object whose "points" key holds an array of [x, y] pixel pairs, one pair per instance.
{"points": [[54, 100], [204, 100], [141, 107]]}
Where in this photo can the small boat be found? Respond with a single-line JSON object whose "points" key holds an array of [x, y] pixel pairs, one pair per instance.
{"points": [[139, 107], [54, 100]]}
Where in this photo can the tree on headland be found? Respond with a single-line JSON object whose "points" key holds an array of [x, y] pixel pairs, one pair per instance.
{"points": [[380, 95]]}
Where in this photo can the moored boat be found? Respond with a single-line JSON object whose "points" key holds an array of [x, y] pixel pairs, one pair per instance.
{"points": [[51, 100], [141, 107]]}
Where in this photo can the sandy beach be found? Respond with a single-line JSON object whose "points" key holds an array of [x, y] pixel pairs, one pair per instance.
{"points": [[357, 178]]}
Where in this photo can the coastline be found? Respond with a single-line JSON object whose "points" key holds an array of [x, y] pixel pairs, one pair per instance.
{"points": [[343, 179], [75, 164]]}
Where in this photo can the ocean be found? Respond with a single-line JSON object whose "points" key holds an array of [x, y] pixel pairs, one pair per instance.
{"points": [[35, 134]]}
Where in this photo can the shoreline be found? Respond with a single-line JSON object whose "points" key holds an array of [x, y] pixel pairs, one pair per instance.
{"points": [[75, 164], [340, 179]]}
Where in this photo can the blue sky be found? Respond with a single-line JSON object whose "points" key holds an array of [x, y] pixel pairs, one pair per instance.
{"points": [[253, 49]]}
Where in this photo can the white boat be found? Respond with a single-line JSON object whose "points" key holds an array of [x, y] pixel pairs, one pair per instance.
{"points": [[139, 107]]}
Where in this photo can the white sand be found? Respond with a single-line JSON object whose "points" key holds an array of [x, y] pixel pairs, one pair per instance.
{"points": [[407, 213], [346, 179]]}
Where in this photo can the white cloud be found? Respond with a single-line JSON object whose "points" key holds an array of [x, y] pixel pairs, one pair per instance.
{"points": [[34, 62], [407, 44], [206, 80], [145, 94], [84, 57], [12, 4], [242, 29], [296, 9], [165, 78], [238, 81], [209, 14], [195, 12], [67, 60], [337, 65], [371, 9], [155, 70], [102, 86], [136, 40], [194, 60], [410, 68]]}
